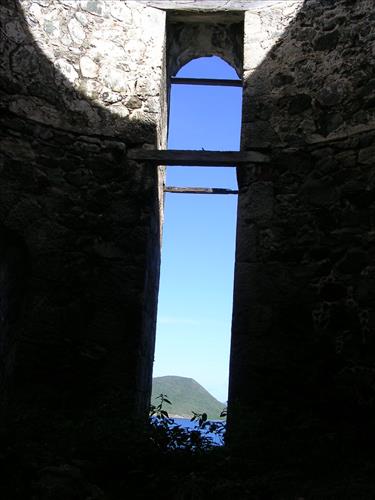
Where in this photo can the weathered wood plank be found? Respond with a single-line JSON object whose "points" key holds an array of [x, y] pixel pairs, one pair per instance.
{"points": [[198, 190], [206, 81], [190, 158]]}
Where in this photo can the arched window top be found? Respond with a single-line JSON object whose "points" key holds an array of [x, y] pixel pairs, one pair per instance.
{"points": [[207, 67], [197, 110], [187, 57], [191, 40]]}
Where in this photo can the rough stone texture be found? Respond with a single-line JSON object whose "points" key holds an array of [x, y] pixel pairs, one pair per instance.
{"points": [[303, 341], [212, 6], [75, 95]]}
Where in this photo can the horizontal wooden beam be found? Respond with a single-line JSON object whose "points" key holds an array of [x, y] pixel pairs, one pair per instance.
{"points": [[216, 82], [190, 158], [198, 190]]}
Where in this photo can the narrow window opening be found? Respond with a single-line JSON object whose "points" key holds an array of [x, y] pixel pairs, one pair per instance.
{"points": [[196, 283]]}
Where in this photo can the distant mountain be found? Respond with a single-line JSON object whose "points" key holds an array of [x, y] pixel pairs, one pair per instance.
{"points": [[186, 396]]}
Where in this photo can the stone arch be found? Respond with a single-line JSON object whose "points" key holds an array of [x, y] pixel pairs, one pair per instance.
{"points": [[187, 57], [188, 39]]}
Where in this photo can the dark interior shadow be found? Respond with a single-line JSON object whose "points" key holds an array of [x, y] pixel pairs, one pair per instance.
{"points": [[89, 219]]}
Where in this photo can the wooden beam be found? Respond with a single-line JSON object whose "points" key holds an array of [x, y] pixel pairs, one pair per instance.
{"points": [[206, 81], [189, 158], [198, 190]]}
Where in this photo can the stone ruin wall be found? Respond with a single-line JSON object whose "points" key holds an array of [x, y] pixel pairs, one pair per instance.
{"points": [[81, 83], [303, 340], [85, 221]]}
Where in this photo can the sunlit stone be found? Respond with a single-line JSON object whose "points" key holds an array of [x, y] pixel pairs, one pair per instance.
{"points": [[88, 68], [66, 70], [76, 31]]}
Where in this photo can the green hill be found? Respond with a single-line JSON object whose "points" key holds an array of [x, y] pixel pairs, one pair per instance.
{"points": [[186, 396]]}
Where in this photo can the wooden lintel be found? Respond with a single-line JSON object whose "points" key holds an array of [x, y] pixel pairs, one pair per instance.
{"points": [[198, 190], [190, 158], [206, 81]]}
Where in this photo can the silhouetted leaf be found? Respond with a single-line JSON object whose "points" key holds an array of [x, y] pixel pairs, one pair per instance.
{"points": [[224, 413]]}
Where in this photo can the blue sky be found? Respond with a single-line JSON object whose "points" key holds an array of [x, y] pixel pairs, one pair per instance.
{"points": [[196, 282]]}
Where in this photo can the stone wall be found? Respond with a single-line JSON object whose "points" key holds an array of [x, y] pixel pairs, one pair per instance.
{"points": [[81, 83], [303, 344]]}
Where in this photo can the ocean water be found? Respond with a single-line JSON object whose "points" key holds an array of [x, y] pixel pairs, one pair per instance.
{"points": [[187, 424]]}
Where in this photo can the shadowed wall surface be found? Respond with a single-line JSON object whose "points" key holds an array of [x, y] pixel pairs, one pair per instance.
{"points": [[75, 96], [302, 368]]}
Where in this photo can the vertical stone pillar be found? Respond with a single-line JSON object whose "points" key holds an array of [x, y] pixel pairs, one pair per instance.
{"points": [[303, 328], [259, 286]]}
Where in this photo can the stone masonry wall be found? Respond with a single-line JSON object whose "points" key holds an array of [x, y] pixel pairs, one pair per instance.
{"points": [[303, 342], [81, 83]]}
